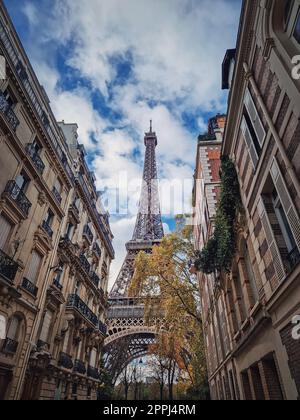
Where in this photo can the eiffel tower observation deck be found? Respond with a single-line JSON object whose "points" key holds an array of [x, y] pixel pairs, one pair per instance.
{"points": [[129, 337]]}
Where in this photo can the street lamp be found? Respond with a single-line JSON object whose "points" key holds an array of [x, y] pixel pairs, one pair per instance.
{"points": [[141, 366]]}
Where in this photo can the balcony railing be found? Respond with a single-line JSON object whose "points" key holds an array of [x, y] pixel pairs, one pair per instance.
{"points": [[85, 264], [7, 110], [57, 195], [79, 367], [47, 228], [10, 346], [38, 163], [29, 287], [294, 258], [97, 250], [95, 279], [93, 373], [8, 267], [75, 302], [65, 361], [36, 103], [14, 192], [88, 233]]}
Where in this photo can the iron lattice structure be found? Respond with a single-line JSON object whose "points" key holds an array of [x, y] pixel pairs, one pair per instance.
{"points": [[128, 335]]}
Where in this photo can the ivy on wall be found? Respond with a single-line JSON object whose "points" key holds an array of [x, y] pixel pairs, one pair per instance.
{"points": [[218, 253]]}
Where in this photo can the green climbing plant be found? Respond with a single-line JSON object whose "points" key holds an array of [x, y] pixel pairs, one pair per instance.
{"points": [[219, 251]]}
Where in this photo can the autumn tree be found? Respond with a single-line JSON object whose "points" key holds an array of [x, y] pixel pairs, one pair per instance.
{"points": [[164, 281]]}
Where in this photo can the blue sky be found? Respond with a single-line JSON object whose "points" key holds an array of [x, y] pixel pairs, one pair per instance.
{"points": [[112, 65]]}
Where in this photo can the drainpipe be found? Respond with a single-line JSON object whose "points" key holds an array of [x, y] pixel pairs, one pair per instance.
{"points": [[40, 306], [287, 161]]}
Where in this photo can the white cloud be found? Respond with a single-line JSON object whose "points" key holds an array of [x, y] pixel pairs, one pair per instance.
{"points": [[175, 50]]}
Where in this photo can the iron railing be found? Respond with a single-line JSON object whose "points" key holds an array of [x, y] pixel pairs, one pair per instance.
{"points": [[102, 328], [29, 287], [10, 346], [38, 163], [14, 192], [93, 373], [9, 113], [75, 302], [65, 361], [8, 267], [79, 367]]}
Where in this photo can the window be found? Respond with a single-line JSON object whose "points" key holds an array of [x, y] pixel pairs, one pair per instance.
{"points": [[254, 137], [93, 357], [251, 276], [5, 232], [44, 336], [58, 186], [13, 330], [70, 231], [296, 33], [22, 181], [49, 218], [283, 222], [10, 98], [34, 267], [77, 288], [36, 146]]}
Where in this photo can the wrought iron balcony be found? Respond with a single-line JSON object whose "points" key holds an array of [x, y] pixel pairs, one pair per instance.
{"points": [[97, 250], [93, 373], [47, 228], [10, 346], [8, 267], [57, 195], [65, 361], [85, 264], [9, 113], [95, 279], [14, 192], [75, 302], [294, 258], [88, 233], [38, 163], [79, 367], [29, 287]]}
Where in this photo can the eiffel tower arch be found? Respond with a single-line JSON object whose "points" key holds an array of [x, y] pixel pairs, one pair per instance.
{"points": [[128, 335]]}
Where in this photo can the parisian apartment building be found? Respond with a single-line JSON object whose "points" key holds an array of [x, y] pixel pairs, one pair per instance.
{"points": [[249, 323], [55, 244]]}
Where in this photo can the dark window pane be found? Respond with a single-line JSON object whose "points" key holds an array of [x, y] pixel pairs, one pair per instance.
{"points": [[297, 29]]}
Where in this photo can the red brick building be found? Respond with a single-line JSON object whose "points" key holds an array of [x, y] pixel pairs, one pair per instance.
{"points": [[260, 299]]}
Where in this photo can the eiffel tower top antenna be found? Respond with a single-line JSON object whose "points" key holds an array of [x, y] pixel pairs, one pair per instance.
{"points": [[150, 126]]}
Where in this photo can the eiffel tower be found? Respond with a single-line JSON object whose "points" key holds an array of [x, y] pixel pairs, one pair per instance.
{"points": [[128, 336]]}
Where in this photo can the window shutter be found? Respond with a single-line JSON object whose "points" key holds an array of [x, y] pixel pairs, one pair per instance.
{"points": [[286, 201], [93, 357], [46, 326], [277, 261], [34, 267], [257, 124], [5, 230], [249, 142], [13, 328]]}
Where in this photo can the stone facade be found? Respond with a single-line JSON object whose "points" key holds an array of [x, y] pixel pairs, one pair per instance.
{"points": [[261, 295], [55, 244]]}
